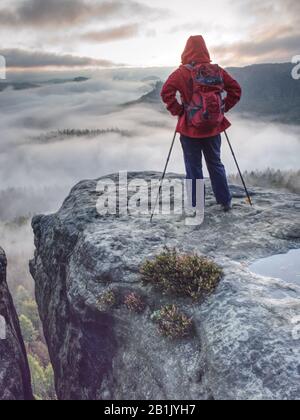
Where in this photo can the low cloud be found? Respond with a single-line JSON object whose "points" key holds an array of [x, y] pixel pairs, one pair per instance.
{"points": [[265, 47], [199, 26], [40, 12], [36, 174], [273, 34], [30, 160], [112, 34], [18, 58], [276, 11], [68, 13]]}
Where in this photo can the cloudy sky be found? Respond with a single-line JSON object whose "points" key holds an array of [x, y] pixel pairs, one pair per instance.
{"points": [[68, 33]]}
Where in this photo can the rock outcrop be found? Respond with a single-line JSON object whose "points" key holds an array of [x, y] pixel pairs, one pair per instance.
{"points": [[243, 348], [15, 382]]}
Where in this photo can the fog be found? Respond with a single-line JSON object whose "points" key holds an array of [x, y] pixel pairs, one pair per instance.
{"points": [[27, 161], [37, 169]]}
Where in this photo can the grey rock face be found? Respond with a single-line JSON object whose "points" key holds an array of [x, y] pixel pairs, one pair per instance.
{"points": [[15, 382], [244, 346]]}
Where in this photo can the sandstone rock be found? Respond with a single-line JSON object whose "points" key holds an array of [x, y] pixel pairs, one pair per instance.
{"points": [[15, 382], [244, 346]]}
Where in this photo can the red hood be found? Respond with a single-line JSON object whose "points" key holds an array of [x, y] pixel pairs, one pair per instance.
{"points": [[195, 51]]}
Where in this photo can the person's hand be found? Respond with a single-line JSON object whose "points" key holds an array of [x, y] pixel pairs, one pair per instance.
{"points": [[181, 111]]}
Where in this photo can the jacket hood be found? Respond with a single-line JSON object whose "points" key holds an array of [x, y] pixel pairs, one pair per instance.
{"points": [[195, 51]]}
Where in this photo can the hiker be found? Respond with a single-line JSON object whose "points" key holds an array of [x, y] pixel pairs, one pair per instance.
{"points": [[207, 92]]}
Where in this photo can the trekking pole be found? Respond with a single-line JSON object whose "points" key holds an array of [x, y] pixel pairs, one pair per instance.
{"points": [[240, 172], [163, 175]]}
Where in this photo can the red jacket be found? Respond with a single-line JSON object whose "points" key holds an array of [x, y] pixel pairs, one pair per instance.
{"points": [[196, 52]]}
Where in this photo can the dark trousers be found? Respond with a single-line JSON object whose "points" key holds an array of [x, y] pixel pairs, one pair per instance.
{"points": [[193, 149]]}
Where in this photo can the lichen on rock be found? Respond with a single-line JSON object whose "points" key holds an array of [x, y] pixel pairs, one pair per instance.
{"points": [[242, 346], [15, 381]]}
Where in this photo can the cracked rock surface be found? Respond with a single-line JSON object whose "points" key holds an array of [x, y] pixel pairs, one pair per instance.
{"points": [[15, 382], [244, 346]]}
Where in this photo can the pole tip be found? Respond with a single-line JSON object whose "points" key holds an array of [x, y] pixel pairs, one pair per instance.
{"points": [[249, 201]]}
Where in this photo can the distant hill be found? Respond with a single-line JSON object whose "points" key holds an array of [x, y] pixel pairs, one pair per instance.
{"points": [[151, 79], [152, 97], [268, 91], [32, 85], [62, 135], [18, 85]]}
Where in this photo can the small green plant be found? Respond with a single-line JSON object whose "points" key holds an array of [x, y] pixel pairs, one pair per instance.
{"points": [[182, 275], [135, 303], [172, 323], [107, 300], [29, 332], [42, 379]]}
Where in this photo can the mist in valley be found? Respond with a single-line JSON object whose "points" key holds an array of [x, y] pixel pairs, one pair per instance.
{"points": [[40, 162]]}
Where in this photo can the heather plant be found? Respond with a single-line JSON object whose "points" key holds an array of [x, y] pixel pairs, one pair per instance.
{"points": [[107, 300], [182, 275], [135, 303], [173, 323], [41, 370]]}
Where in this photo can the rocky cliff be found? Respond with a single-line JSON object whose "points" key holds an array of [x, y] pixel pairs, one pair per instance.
{"points": [[15, 382], [243, 346]]}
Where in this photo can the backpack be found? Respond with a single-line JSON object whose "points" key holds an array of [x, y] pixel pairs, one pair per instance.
{"points": [[206, 108]]}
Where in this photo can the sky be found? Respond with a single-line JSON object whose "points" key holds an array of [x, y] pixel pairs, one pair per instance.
{"points": [[145, 33]]}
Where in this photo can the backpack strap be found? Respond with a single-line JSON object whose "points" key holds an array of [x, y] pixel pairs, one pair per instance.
{"points": [[189, 66]]}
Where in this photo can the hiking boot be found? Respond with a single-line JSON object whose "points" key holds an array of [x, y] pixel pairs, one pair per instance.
{"points": [[226, 207]]}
